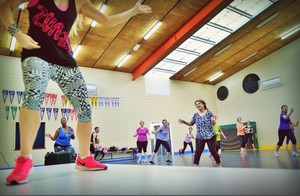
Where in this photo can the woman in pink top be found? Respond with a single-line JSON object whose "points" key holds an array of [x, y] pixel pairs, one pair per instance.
{"points": [[142, 141], [241, 133]]}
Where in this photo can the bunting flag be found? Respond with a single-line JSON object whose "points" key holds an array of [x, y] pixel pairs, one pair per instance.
{"points": [[14, 110], [118, 101], [11, 96], [63, 100], [47, 97], [95, 101], [66, 101], [108, 101], [49, 110], [100, 102], [68, 113], [7, 112], [4, 94], [113, 102], [53, 98], [105, 101], [72, 113], [55, 112], [20, 95], [42, 111], [90, 100], [63, 112]]}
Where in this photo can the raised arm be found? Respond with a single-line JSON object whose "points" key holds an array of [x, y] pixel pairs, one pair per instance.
{"points": [[156, 131], [87, 9], [73, 133], [288, 114], [54, 137], [184, 122], [7, 9]]}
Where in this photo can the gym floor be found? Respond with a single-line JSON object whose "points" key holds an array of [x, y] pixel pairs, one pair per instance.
{"points": [[251, 173]]}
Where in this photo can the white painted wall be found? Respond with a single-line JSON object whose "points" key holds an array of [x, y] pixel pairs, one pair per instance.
{"points": [[264, 105]]}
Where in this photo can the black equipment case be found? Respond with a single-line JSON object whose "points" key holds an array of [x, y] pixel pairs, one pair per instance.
{"points": [[52, 158]]}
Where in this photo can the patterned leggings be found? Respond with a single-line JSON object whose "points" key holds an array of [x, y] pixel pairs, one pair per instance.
{"points": [[36, 75]]}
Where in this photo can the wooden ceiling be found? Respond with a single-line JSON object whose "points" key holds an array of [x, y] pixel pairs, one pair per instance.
{"points": [[103, 48]]}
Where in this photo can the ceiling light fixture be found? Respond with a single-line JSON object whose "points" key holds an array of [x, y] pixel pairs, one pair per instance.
{"points": [[189, 72], [102, 9], [152, 30], [267, 20], [22, 6], [12, 44], [124, 59], [215, 76], [77, 49], [223, 50], [291, 32], [248, 57], [136, 47]]}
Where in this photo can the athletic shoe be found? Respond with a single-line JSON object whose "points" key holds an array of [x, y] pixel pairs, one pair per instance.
{"points": [[89, 163], [169, 161], [294, 154], [254, 149], [139, 161], [276, 154], [20, 173], [219, 165], [151, 162]]}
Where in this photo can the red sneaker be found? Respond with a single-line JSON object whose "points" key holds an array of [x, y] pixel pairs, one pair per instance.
{"points": [[89, 163], [20, 173]]}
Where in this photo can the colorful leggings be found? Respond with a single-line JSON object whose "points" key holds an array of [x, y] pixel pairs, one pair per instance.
{"points": [[36, 75]]}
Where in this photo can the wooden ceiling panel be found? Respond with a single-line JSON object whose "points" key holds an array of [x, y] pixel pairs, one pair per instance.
{"points": [[103, 47]]}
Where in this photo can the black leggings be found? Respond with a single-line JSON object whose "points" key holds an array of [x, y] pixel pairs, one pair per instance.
{"points": [[142, 146], [211, 143], [161, 142], [242, 141], [185, 144], [282, 133]]}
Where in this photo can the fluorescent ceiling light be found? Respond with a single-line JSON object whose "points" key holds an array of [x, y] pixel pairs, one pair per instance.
{"points": [[76, 50], [136, 47], [223, 50], [248, 57], [102, 9], [291, 32], [22, 6], [267, 20], [126, 57], [189, 72], [215, 76], [152, 30], [12, 43]]}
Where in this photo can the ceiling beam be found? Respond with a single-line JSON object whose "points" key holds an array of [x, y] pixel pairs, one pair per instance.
{"points": [[187, 30]]}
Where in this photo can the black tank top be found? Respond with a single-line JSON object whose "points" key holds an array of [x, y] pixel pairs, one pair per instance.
{"points": [[92, 137], [50, 27]]}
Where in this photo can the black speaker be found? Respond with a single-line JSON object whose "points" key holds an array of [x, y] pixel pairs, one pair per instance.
{"points": [[52, 158]]}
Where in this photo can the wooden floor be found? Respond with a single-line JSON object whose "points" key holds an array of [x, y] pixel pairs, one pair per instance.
{"points": [[253, 173]]}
